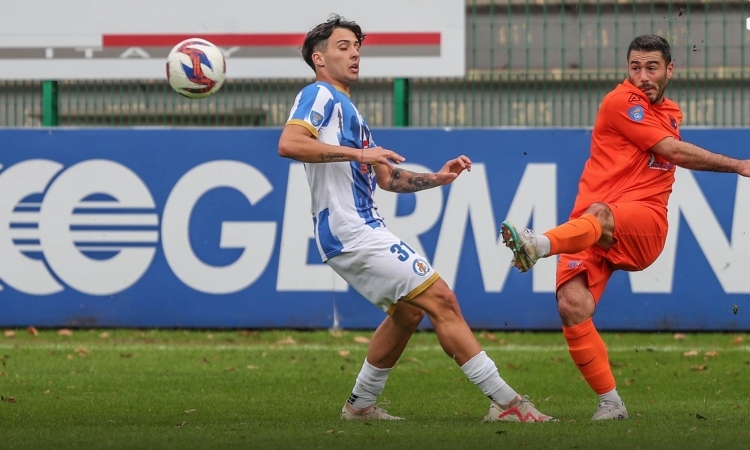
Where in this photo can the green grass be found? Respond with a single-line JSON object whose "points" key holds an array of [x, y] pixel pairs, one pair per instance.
{"points": [[284, 390]]}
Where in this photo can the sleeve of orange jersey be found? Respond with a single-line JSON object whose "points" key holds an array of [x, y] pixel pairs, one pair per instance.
{"points": [[634, 120]]}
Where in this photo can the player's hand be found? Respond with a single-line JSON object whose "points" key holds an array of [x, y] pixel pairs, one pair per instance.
{"points": [[744, 168], [453, 168], [380, 155]]}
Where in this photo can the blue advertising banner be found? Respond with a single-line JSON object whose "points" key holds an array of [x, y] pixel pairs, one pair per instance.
{"points": [[211, 228]]}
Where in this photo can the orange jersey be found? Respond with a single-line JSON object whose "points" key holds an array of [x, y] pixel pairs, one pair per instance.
{"points": [[621, 168]]}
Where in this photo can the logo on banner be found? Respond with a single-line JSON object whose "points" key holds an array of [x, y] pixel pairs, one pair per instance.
{"points": [[94, 227]]}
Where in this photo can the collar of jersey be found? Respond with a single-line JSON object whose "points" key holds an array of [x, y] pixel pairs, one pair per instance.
{"points": [[340, 89]]}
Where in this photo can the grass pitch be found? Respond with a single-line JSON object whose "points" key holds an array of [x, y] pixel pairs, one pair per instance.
{"points": [[134, 389]]}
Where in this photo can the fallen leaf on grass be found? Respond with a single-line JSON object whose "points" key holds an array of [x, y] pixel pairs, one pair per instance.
{"points": [[738, 340], [287, 341], [64, 332], [33, 331], [691, 353], [330, 431], [489, 336], [83, 351], [9, 333], [182, 424], [698, 416], [679, 336], [229, 369], [8, 399], [500, 432], [188, 411], [104, 335], [711, 354], [361, 340], [252, 367], [334, 332], [344, 353], [698, 368]]}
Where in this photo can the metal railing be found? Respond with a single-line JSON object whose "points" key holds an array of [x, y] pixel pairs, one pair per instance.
{"points": [[529, 63]]}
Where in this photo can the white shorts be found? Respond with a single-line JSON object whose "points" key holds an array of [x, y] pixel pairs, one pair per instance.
{"points": [[384, 269]]}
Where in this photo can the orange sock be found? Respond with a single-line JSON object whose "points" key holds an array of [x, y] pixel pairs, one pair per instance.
{"points": [[588, 351], [574, 235]]}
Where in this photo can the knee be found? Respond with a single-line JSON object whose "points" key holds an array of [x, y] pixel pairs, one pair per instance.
{"points": [[565, 307], [602, 213], [445, 304], [573, 309], [600, 210]]}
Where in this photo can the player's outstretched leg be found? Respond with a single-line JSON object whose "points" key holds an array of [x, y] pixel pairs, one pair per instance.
{"points": [[458, 342], [523, 244]]}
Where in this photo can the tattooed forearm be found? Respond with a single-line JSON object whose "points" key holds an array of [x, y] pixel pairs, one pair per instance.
{"points": [[332, 157], [403, 181]]}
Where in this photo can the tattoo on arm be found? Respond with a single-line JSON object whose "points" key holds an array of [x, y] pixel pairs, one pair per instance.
{"points": [[332, 157], [403, 181]]}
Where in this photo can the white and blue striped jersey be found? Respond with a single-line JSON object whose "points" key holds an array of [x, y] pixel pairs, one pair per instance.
{"points": [[342, 202]]}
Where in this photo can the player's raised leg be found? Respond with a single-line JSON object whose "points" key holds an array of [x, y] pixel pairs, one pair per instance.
{"points": [[571, 237]]}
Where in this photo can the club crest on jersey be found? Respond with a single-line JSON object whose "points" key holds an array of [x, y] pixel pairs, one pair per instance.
{"points": [[316, 118], [636, 113], [673, 122], [421, 267]]}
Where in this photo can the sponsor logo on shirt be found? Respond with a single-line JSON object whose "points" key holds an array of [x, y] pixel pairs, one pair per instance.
{"points": [[634, 98], [655, 162], [636, 113], [316, 118]]}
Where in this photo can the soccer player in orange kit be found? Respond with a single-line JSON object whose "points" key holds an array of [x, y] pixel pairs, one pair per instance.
{"points": [[619, 219]]}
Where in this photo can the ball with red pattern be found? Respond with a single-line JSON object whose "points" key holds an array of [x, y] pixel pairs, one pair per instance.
{"points": [[196, 68]]}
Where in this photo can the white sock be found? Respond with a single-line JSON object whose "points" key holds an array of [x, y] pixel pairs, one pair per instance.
{"points": [[611, 397], [481, 370], [370, 383], [543, 245]]}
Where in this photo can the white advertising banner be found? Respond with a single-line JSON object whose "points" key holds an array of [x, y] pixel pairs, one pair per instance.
{"points": [[101, 39]]}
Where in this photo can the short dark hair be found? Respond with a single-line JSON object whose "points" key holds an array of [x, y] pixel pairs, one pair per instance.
{"points": [[317, 38], [651, 43]]}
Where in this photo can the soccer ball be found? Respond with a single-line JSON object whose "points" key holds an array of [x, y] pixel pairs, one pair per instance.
{"points": [[196, 68]]}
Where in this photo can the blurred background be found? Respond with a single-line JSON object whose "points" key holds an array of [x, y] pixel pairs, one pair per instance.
{"points": [[528, 64]]}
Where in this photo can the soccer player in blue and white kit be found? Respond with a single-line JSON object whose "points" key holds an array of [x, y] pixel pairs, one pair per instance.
{"points": [[343, 164]]}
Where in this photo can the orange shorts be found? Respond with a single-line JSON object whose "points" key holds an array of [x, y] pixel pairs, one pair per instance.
{"points": [[640, 233]]}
